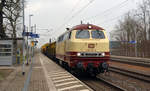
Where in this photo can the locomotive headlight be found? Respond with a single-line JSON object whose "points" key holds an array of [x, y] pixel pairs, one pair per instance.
{"points": [[89, 27], [103, 54], [78, 54]]}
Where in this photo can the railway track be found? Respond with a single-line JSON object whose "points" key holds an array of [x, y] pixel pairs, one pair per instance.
{"points": [[100, 84], [124, 85], [112, 84], [139, 61], [103, 84], [133, 74]]}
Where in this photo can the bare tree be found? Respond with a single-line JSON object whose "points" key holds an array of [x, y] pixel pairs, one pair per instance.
{"points": [[2, 32], [135, 26], [12, 14], [12, 18]]}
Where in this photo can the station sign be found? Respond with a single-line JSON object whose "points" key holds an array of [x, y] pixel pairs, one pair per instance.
{"points": [[27, 33], [35, 36], [132, 42]]}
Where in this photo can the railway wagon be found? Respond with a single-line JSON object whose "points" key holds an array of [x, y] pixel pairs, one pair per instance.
{"points": [[51, 50], [84, 48], [44, 48]]}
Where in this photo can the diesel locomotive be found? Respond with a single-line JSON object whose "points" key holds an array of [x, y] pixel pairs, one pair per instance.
{"points": [[83, 48]]}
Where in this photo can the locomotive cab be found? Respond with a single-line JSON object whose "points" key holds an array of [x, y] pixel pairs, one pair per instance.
{"points": [[85, 49]]}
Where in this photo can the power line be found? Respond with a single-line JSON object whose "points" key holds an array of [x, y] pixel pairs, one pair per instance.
{"points": [[112, 19], [101, 13], [73, 9], [79, 11]]}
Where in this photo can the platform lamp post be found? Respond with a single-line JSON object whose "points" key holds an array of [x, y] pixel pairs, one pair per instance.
{"points": [[23, 45], [30, 30]]}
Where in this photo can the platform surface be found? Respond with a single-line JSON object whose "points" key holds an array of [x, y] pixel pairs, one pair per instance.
{"points": [[46, 76], [59, 79]]}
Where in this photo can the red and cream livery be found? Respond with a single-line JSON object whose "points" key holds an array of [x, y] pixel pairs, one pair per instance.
{"points": [[84, 48]]}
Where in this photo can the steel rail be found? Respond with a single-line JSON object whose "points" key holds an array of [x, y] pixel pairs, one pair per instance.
{"points": [[112, 84], [136, 75], [132, 61]]}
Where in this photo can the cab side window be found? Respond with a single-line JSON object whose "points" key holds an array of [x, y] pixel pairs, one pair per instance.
{"points": [[60, 38], [66, 36], [69, 35]]}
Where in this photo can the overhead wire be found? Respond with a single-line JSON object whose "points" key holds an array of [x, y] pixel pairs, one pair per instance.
{"points": [[79, 11], [73, 9], [76, 13], [107, 10], [112, 19]]}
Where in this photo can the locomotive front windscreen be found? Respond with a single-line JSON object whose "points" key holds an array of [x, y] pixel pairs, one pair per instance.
{"points": [[96, 34], [85, 34], [82, 34]]}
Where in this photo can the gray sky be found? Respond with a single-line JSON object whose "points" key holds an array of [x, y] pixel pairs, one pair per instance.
{"points": [[56, 15]]}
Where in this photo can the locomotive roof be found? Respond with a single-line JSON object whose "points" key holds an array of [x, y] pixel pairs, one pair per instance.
{"points": [[86, 26]]}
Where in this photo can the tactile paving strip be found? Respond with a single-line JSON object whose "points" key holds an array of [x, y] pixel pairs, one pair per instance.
{"points": [[59, 79]]}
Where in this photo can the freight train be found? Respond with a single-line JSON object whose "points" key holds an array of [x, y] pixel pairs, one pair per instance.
{"points": [[83, 48]]}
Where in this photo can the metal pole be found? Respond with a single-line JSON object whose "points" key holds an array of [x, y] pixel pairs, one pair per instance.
{"points": [[23, 45], [28, 50], [31, 47], [135, 45], [35, 28], [31, 30], [136, 35]]}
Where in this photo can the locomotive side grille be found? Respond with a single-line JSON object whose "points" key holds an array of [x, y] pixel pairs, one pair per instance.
{"points": [[91, 55]]}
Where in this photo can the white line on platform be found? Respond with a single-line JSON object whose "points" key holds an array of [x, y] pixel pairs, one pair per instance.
{"points": [[66, 83], [68, 79], [55, 73], [58, 75], [70, 87], [49, 82], [62, 77]]}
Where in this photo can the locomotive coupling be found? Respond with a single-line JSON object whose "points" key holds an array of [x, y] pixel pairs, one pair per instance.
{"points": [[80, 65], [104, 65]]}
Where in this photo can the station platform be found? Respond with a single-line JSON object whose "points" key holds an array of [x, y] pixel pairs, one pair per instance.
{"points": [[46, 76]]}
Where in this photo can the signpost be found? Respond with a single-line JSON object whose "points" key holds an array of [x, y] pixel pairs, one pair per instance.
{"points": [[132, 42], [27, 33], [35, 36]]}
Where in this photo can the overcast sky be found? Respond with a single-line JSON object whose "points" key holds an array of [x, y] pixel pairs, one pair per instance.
{"points": [[56, 15]]}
